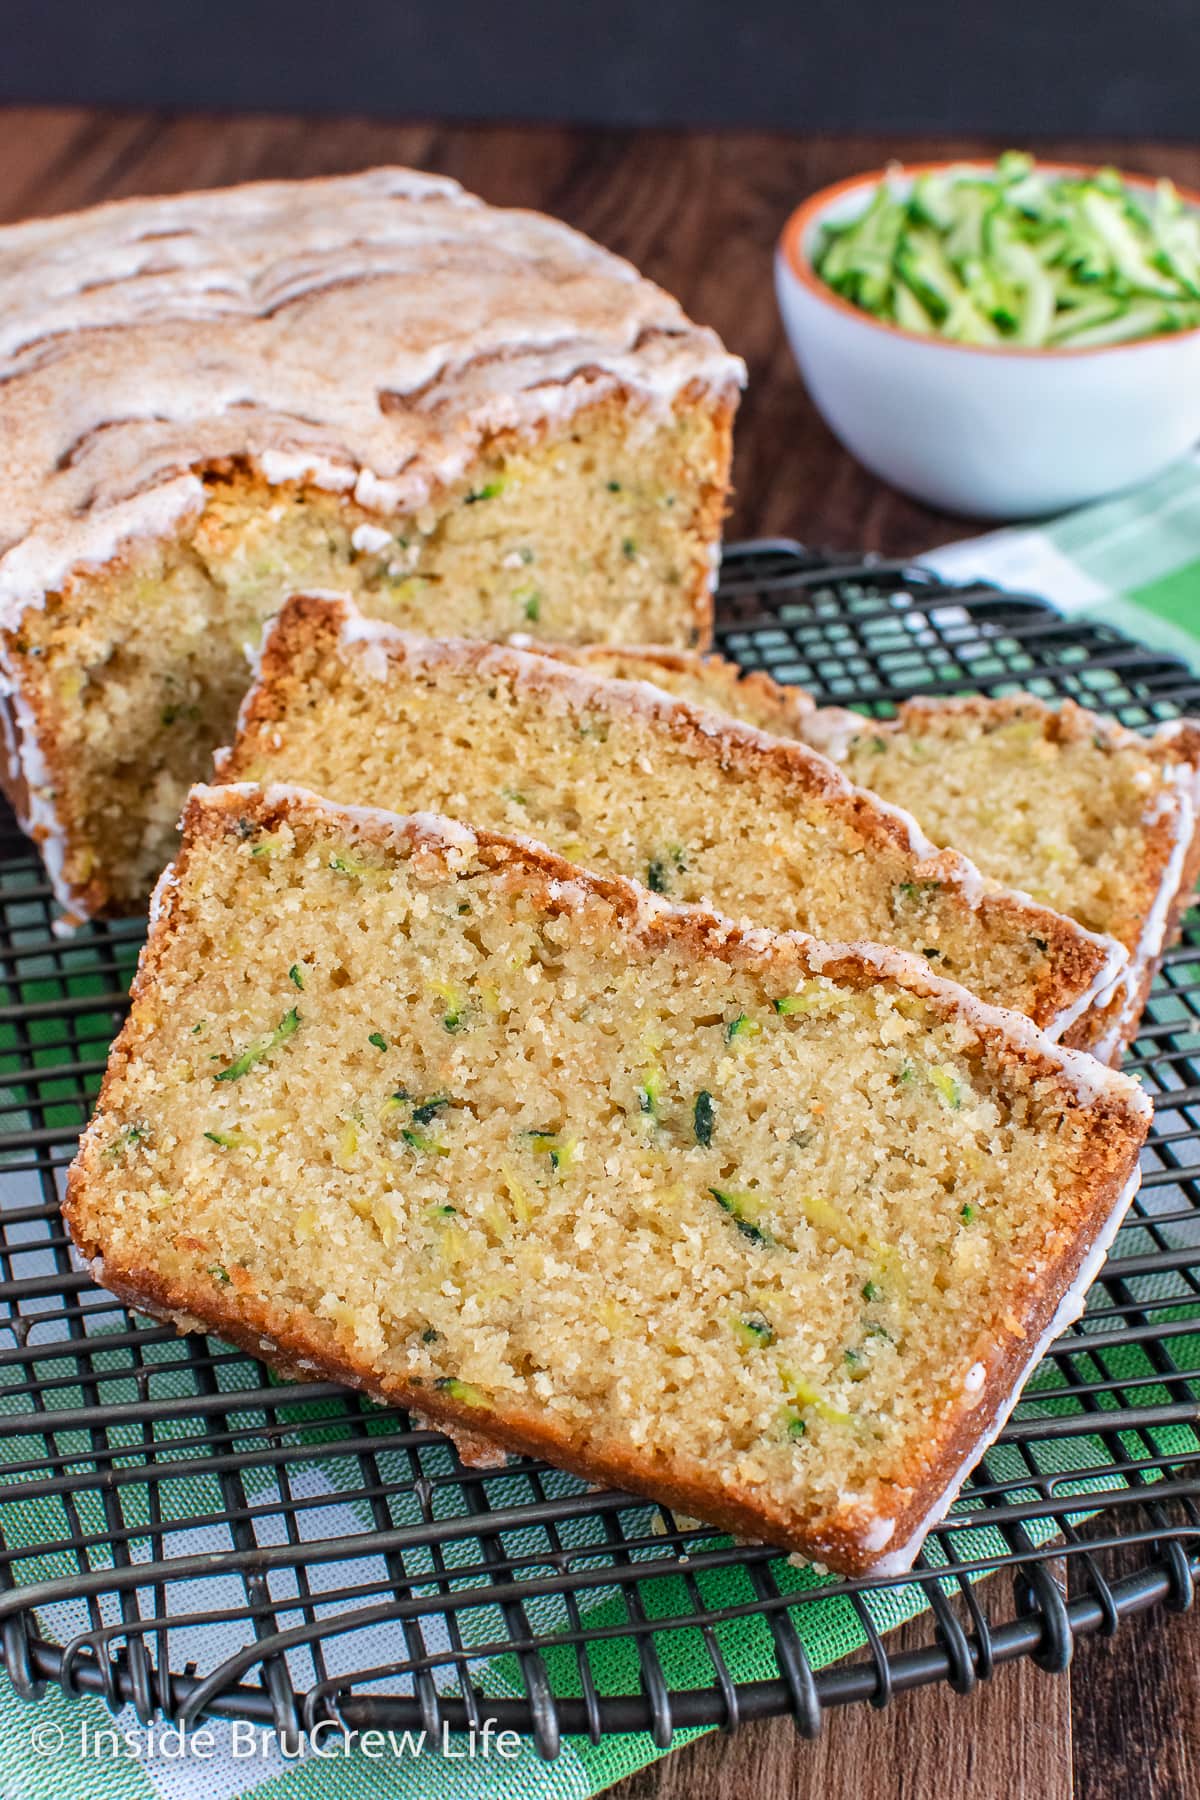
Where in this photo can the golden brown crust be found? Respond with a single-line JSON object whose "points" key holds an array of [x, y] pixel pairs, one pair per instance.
{"points": [[300, 1340], [729, 687]]}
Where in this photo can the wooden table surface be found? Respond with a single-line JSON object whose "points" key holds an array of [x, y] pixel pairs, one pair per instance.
{"points": [[700, 213]]}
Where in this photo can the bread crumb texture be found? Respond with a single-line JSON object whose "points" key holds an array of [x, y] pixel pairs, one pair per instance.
{"points": [[723, 1217], [601, 529], [1054, 800]]}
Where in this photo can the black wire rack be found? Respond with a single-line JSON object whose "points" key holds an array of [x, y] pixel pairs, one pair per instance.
{"points": [[187, 1534]]}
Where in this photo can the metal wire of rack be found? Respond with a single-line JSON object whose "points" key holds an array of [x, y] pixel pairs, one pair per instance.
{"points": [[185, 1533]]}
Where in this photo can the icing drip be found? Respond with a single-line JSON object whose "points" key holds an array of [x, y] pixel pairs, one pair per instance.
{"points": [[365, 333]]}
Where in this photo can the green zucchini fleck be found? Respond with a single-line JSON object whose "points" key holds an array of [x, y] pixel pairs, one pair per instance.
{"points": [[743, 1209], [425, 1110], [377, 1038], [804, 1394], [219, 1272], [562, 1151], [126, 1140], [614, 487], [423, 1144], [947, 1085], [464, 1391], [703, 1118], [241, 1065], [787, 1004], [488, 491], [658, 872], [457, 1011], [794, 1426], [916, 893], [234, 1139], [530, 602], [629, 548], [742, 1029], [296, 976], [650, 1093], [430, 1335], [968, 1213], [752, 1331], [266, 848], [871, 1291]]}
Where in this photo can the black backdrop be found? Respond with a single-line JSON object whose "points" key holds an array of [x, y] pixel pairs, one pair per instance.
{"points": [[1017, 69]]}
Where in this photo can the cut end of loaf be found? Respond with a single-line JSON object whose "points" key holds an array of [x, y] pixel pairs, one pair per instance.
{"points": [[599, 528]]}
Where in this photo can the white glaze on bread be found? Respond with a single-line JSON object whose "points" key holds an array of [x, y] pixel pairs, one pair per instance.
{"points": [[365, 333]]}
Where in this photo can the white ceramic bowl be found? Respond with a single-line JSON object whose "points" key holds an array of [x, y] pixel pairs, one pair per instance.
{"points": [[1000, 433]]}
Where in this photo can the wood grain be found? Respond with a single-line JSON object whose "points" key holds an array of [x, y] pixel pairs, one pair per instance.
{"points": [[700, 213], [1010, 1739]]}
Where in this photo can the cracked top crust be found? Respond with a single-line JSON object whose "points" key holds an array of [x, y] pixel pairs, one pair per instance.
{"points": [[364, 332]]}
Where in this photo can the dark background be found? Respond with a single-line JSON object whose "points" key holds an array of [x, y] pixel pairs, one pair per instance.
{"points": [[1014, 70]]}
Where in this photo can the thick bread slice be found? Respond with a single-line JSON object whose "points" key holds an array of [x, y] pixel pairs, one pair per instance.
{"points": [[620, 777], [1063, 803], [1058, 802], [767, 1229]]}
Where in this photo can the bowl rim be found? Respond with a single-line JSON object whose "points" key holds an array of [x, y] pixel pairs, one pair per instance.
{"points": [[797, 264]]}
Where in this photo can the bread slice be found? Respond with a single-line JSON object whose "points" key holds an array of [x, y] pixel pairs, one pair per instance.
{"points": [[1056, 801], [767, 1229], [1085, 816], [471, 416], [629, 781]]}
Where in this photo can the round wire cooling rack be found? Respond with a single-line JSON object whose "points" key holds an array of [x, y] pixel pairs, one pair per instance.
{"points": [[185, 1533]]}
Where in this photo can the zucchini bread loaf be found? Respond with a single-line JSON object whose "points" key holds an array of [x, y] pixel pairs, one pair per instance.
{"points": [[1055, 801], [767, 1229], [629, 780], [473, 418]]}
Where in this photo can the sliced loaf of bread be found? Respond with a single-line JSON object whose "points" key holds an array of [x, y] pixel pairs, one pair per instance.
{"points": [[766, 1229], [623, 778], [1056, 801]]}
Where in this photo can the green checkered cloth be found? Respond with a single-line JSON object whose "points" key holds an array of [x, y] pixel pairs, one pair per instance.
{"points": [[1135, 561]]}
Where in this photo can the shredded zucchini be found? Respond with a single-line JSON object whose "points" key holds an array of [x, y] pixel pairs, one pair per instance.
{"points": [[1019, 255], [241, 1065], [745, 1210]]}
